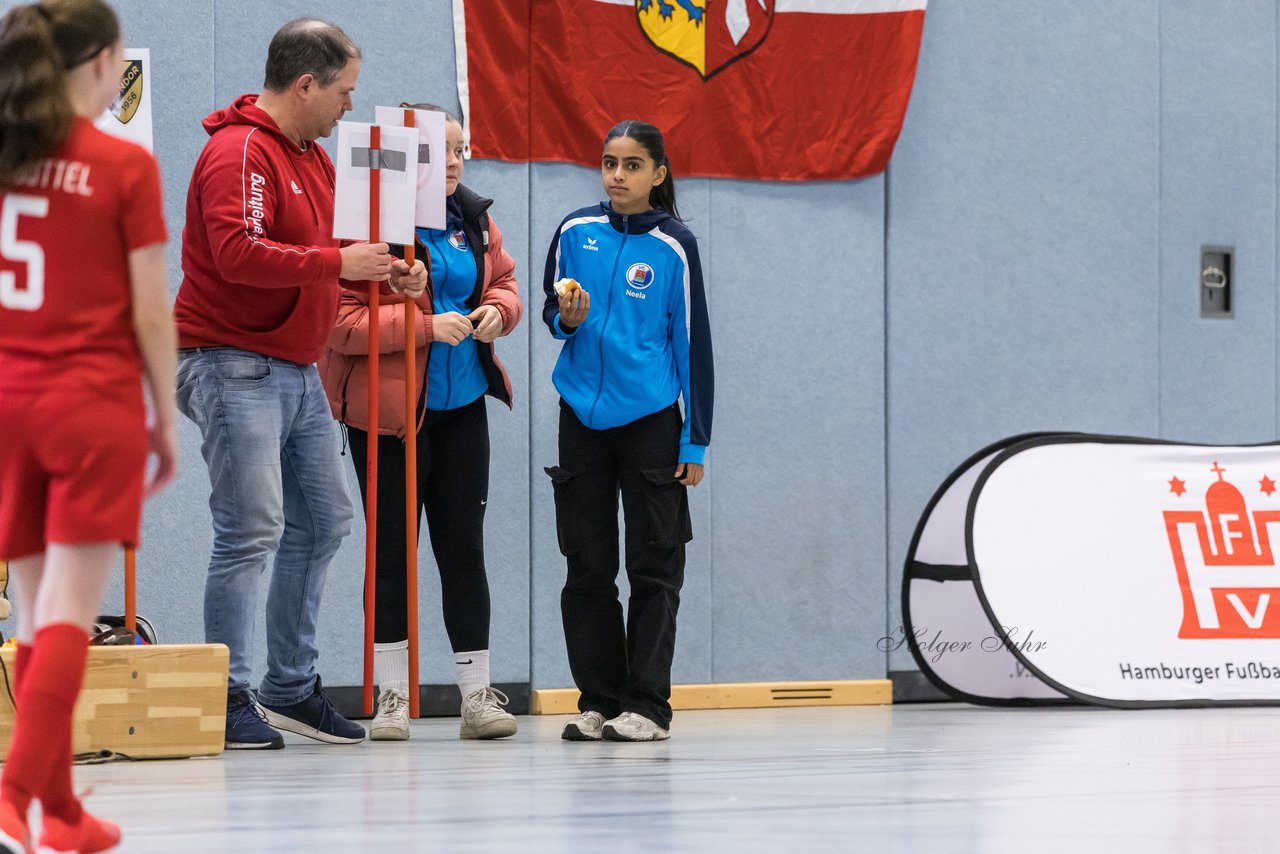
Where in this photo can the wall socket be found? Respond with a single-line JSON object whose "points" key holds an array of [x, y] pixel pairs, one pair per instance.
{"points": [[1216, 283]]}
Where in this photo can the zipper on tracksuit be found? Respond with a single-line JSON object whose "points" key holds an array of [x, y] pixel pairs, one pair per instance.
{"points": [[420, 416], [604, 326], [448, 354]]}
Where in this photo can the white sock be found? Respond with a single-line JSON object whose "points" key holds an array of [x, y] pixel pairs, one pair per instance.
{"points": [[391, 667], [473, 671]]}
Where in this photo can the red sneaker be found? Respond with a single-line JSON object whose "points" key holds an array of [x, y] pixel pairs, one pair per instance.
{"points": [[15, 837], [86, 836]]}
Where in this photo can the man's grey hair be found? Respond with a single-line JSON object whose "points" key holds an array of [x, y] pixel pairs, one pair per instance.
{"points": [[307, 46]]}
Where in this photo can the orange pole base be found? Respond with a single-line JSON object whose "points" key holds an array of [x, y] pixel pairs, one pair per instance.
{"points": [[371, 464], [131, 590], [411, 475]]}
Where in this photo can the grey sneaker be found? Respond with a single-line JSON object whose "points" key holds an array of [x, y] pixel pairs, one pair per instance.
{"points": [[585, 727], [391, 721], [629, 726], [484, 717]]}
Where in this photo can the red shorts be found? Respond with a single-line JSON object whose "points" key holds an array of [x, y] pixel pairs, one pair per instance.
{"points": [[71, 470]]}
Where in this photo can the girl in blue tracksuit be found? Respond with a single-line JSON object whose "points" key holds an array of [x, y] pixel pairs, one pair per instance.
{"points": [[636, 341]]}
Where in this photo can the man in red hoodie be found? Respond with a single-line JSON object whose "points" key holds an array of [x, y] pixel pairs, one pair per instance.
{"points": [[258, 300]]}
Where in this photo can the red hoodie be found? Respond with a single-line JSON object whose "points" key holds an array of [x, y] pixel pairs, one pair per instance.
{"points": [[260, 266]]}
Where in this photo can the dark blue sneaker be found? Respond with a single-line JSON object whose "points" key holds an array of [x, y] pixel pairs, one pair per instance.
{"points": [[315, 717], [247, 727]]}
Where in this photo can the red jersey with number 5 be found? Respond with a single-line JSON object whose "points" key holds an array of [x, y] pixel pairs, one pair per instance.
{"points": [[66, 230]]}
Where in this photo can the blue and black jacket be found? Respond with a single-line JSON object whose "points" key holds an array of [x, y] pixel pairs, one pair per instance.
{"points": [[646, 341]]}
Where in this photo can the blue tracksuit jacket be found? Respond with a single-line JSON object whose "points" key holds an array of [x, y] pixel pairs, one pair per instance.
{"points": [[646, 341]]}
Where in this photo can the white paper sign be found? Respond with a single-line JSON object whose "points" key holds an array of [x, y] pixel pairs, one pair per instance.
{"points": [[431, 160], [129, 115], [395, 157]]}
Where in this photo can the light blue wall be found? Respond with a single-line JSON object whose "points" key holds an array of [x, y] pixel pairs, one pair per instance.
{"points": [[1027, 263], [1218, 186], [1023, 243], [1061, 165]]}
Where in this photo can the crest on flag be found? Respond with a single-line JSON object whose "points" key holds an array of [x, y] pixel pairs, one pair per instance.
{"points": [[706, 35]]}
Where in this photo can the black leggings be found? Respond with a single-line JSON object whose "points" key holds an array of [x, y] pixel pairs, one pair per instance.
{"points": [[453, 486]]}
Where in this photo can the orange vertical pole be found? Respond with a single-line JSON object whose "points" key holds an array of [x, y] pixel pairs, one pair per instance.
{"points": [[411, 466], [131, 589], [371, 465]]}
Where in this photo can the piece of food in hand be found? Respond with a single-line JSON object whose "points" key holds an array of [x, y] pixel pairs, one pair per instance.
{"points": [[564, 286]]}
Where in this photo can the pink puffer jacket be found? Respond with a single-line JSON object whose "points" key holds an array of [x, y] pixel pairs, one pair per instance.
{"points": [[344, 367]]}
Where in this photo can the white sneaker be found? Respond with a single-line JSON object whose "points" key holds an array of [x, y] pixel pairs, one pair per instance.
{"points": [[585, 727], [484, 717], [391, 721], [629, 726]]}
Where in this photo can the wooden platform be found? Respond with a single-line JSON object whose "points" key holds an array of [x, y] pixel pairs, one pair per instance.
{"points": [[741, 695], [143, 701]]}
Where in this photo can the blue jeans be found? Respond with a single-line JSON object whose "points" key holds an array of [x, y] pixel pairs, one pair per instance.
{"points": [[277, 486]]}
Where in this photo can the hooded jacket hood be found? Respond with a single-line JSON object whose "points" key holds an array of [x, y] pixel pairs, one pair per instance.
{"points": [[245, 111]]}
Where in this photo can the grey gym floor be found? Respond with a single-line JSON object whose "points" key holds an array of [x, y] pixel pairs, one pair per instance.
{"points": [[926, 778]]}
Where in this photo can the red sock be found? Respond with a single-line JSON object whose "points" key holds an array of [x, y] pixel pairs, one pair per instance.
{"points": [[18, 796], [59, 796], [21, 664], [51, 681]]}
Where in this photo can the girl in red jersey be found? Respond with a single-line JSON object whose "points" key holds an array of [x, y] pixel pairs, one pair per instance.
{"points": [[84, 324]]}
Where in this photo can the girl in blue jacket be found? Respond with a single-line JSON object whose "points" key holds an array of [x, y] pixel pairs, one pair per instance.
{"points": [[637, 341]]}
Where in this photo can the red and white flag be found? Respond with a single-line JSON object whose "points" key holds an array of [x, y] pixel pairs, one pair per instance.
{"points": [[768, 89]]}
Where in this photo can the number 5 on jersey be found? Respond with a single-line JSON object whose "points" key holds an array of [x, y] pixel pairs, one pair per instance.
{"points": [[18, 251]]}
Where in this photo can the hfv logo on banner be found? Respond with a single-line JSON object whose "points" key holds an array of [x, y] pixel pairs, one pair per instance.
{"points": [[1226, 568]]}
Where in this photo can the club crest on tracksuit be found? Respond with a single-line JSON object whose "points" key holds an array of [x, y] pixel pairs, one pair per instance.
{"points": [[458, 240], [706, 35], [1227, 571], [639, 276]]}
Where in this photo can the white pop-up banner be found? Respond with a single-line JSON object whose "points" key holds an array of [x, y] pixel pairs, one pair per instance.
{"points": [[395, 160], [1055, 568]]}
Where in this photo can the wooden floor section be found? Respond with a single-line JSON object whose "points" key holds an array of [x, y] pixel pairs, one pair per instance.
{"points": [[920, 778]]}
